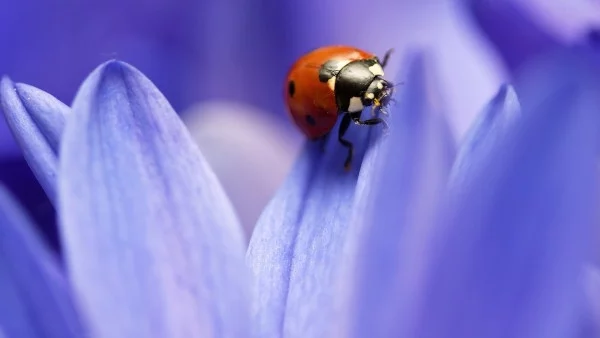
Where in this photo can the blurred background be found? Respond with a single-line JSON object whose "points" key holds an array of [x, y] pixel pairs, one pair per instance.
{"points": [[222, 64]]}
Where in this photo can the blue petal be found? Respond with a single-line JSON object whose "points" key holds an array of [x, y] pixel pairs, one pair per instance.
{"points": [[516, 233], [398, 194], [36, 299], [296, 247], [591, 290], [152, 242], [515, 35], [489, 127], [36, 120]]}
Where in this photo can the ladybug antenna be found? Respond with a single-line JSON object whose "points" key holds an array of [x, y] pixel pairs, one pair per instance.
{"points": [[392, 84]]}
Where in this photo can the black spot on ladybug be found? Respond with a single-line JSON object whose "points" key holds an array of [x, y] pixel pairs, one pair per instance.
{"points": [[291, 88], [310, 120]]}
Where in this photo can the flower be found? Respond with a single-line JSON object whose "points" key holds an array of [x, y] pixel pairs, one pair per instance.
{"points": [[153, 247], [172, 43], [494, 237], [144, 222]]}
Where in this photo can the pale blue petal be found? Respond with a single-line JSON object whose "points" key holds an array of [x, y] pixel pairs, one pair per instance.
{"points": [[510, 248], [36, 120], [405, 174], [591, 291], [36, 298], [295, 250], [151, 240], [488, 128]]}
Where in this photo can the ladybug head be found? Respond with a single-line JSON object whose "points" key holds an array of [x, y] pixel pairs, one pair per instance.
{"points": [[378, 93]]}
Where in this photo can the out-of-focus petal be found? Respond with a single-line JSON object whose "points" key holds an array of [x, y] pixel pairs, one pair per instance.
{"points": [[17, 177], [591, 291], [250, 153], [490, 126], [152, 243], [517, 231], [36, 120], [296, 248], [36, 298], [398, 192], [511, 30]]}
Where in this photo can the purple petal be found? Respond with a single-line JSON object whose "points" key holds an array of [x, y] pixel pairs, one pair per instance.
{"points": [[489, 127], [398, 193], [36, 120], [296, 247], [515, 35], [591, 288], [519, 228], [152, 242], [36, 299]]}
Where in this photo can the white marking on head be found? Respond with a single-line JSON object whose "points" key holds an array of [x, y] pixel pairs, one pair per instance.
{"points": [[370, 96], [376, 69], [331, 83], [355, 105], [379, 85]]}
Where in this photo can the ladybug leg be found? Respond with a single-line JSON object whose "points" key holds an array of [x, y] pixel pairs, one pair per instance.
{"points": [[342, 131], [386, 57], [375, 110], [370, 122]]}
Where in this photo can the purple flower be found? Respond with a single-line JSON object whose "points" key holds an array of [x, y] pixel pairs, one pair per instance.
{"points": [[490, 237], [152, 244]]}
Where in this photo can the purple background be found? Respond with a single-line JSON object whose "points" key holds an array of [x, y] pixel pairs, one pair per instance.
{"points": [[239, 51]]}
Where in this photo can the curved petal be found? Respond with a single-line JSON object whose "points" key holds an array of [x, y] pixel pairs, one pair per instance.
{"points": [[36, 120], [151, 240], [515, 35], [36, 298], [399, 188], [296, 247], [490, 126], [519, 228]]}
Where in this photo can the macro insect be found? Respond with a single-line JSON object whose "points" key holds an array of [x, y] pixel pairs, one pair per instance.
{"points": [[335, 81]]}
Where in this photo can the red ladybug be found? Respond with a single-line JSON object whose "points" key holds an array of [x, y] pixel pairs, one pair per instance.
{"points": [[332, 81]]}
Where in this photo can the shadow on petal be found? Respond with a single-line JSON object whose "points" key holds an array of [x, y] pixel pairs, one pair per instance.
{"points": [[36, 120], [518, 229], [403, 176], [36, 298], [295, 250], [152, 242]]}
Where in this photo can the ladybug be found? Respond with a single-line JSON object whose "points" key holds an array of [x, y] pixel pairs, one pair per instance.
{"points": [[332, 81]]}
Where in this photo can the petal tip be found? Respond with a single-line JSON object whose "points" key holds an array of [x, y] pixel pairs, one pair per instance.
{"points": [[507, 98], [6, 84], [102, 78], [5, 79], [116, 67]]}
